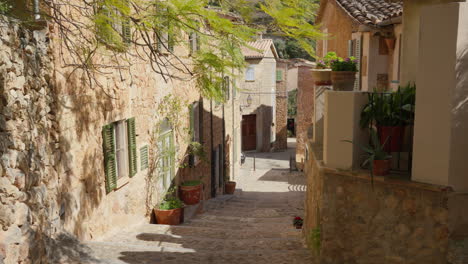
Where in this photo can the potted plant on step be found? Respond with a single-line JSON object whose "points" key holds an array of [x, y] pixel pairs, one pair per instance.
{"points": [[191, 191], [297, 222], [376, 156], [229, 187], [343, 73], [322, 72], [169, 211]]}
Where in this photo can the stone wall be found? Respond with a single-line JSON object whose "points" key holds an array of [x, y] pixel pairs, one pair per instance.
{"points": [[52, 179], [281, 121], [305, 111], [29, 144], [349, 220]]}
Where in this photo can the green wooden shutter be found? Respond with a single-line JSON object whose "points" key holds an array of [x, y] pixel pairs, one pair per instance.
{"points": [[279, 75], [192, 132], [132, 150], [144, 157], [200, 121], [357, 54], [110, 165], [126, 32]]}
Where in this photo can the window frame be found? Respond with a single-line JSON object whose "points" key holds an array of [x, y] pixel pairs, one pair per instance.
{"points": [[120, 27], [250, 69]]}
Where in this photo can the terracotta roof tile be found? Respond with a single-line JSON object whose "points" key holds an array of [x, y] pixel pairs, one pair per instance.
{"points": [[372, 12], [260, 48]]}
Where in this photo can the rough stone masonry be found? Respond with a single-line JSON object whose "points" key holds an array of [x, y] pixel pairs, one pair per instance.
{"points": [[28, 144]]}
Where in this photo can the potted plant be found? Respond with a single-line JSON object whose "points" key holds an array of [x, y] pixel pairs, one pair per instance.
{"points": [[343, 73], [169, 211], [322, 71], [376, 156], [390, 112], [297, 222], [229, 187], [191, 191]]}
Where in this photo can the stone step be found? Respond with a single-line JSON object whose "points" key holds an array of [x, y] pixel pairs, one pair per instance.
{"points": [[203, 243], [220, 232], [119, 253], [238, 225]]}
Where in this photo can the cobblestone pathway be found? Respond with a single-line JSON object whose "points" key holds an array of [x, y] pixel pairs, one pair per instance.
{"points": [[253, 226]]}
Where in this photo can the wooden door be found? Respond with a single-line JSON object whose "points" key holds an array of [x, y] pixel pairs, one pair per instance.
{"points": [[249, 132]]}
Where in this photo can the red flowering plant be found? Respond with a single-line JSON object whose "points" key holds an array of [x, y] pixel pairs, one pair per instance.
{"points": [[298, 221]]}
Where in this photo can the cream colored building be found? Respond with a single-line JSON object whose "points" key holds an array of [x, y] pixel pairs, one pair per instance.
{"points": [[371, 31], [258, 96]]}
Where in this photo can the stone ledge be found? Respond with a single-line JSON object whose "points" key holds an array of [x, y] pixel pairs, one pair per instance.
{"points": [[393, 179]]}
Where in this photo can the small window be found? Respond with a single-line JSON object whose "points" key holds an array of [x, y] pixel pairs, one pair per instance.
{"points": [[250, 73], [279, 75], [194, 42]]}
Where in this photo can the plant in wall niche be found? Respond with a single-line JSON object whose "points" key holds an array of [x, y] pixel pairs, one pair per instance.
{"points": [[375, 156]]}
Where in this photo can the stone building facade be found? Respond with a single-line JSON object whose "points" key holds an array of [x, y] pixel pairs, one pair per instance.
{"points": [[305, 109], [281, 142], [53, 131], [258, 96]]}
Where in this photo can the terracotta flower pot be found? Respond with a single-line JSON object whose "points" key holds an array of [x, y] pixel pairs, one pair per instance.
{"points": [[229, 187], [190, 195], [394, 136], [343, 80], [322, 76], [298, 226], [381, 167], [168, 217]]}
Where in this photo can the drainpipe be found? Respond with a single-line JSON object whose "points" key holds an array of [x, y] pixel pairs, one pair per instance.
{"points": [[37, 14]]}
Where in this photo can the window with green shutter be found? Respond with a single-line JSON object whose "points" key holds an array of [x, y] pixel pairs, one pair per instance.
{"points": [[110, 163], [132, 148], [113, 24], [279, 75]]}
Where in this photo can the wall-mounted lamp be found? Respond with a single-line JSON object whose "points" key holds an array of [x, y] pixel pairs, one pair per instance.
{"points": [[249, 100]]}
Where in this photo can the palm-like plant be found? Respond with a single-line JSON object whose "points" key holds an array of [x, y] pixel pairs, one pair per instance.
{"points": [[374, 151]]}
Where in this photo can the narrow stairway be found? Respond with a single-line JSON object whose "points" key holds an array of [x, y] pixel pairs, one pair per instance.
{"points": [[236, 230]]}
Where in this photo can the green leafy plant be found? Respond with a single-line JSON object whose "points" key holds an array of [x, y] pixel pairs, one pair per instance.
{"points": [[191, 183], [373, 151], [347, 64], [324, 63], [315, 237], [390, 109], [170, 203], [5, 7]]}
